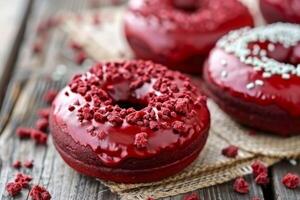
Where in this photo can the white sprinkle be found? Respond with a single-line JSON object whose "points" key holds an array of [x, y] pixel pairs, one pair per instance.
{"points": [[259, 82], [250, 86], [293, 162], [263, 53], [237, 43], [266, 75], [257, 68], [224, 74], [285, 76], [271, 47], [223, 62]]}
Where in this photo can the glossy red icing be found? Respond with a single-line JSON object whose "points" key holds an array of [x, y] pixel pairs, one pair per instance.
{"points": [[273, 106], [178, 34], [127, 116], [281, 10]]}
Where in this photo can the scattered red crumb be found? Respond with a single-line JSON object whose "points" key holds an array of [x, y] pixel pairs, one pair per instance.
{"points": [[141, 140], [39, 193], [150, 198], [241, 186], [23, 132], [39, 136], [50, 95], [44, 112], [75, 46], [28, 164], [96, 19], [37, 47], [291, 180], [17, 164], [255, 198], [13, 188], [262, 179], [80, 57], [192, 196], [259, 167], [23, 179], [231, 151], [42, 124]]}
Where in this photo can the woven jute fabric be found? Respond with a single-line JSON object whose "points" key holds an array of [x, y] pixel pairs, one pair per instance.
{"points": [[211, 167]]}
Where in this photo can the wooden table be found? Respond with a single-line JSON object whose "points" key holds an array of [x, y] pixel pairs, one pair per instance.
{"points": [[20, 97]]}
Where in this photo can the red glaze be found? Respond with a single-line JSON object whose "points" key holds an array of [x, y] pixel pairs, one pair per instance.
{"points": [[281, 10], [180, 33], [99, 133], [273, 107]]}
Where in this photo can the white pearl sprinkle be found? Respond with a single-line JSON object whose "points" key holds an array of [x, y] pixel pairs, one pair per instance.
{"points": [[285, 76], [237, 43], [223, 62], [293, 162], [224, 74], [271, 47], [250, 86], [266, 75], [259, 82]]}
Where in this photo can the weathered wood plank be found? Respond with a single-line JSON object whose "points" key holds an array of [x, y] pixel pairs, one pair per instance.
{"points": [[13, 19], [280, 191]]}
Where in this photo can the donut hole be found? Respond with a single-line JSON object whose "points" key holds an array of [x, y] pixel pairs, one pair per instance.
{"points": [[188, 6], [135, 104]]}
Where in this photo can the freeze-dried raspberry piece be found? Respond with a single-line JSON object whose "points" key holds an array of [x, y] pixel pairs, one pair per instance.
{"points": [[80, 57], [255, 198], [259, 167], [37, 47], [44, 112], [23, 179], [262, 179], [291, 180], [231, 151], [13, 188], [141, 140], [28, 164], [241, 186], [23, 132], [42, 124], [192, 196], [17, 164], [50, 95], [75, 46], [39, 136], [39, 193]]}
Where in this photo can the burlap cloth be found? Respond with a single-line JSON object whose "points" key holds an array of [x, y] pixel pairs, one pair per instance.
{"points": [[106, 42]]}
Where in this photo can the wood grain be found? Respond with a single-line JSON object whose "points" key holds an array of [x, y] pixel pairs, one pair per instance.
{"points": [[279, 190], [13, 18]]}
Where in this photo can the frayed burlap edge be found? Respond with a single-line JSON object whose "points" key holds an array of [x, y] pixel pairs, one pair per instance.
{"points": [[189, 183]]}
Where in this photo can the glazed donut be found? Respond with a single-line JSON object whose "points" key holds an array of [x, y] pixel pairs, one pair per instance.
{"points": [[180, 33], [130, 122], [254, 76], [281, 10]]}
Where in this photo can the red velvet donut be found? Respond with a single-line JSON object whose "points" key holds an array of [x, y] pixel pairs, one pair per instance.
{"points": [[254, 76], [180, 33], [281, 10], [129, 122]]}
